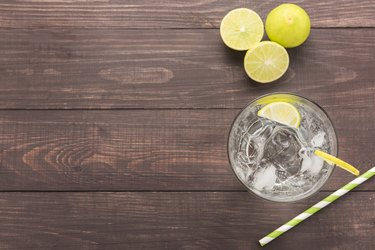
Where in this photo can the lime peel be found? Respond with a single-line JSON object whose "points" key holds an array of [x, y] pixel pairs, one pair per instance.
{"points": [[330, 159]]}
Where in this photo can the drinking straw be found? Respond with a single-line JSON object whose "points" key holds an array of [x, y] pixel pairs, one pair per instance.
{"points": [[318, 206]]}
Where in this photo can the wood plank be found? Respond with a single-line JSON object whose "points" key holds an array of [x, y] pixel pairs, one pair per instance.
{"points": [[178, 221], [173, 69], [144, 149], [130, 14]]}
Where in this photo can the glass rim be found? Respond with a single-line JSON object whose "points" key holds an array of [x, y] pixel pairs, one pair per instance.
{"points": [[281, 93]]}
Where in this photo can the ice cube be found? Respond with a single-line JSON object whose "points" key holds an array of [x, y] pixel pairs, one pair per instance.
{"points": [[318, 139], [252, 151], [311, 163], [242, 172], [244, 167], [306, 163], [265, 177], [262, 133], [317, 164], [282, 150], [255, 127]]}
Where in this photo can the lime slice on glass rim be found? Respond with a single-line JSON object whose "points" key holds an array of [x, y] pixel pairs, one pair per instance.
{"points": [[281, 112], [241, 29], [266, 62]]}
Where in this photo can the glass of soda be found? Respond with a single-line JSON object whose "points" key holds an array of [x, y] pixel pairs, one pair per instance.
{"points": [[276, 161]]}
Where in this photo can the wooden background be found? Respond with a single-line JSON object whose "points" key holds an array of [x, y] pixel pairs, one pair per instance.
{"points": [[114, 117]]}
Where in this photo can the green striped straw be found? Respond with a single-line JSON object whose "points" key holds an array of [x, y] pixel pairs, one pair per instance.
{"points": [[318, 206]]}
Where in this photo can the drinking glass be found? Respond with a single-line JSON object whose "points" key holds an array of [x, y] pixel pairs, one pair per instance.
{"points": [[275, 161]]}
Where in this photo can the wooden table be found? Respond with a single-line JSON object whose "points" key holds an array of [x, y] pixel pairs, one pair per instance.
{"points": [[115, 114]]}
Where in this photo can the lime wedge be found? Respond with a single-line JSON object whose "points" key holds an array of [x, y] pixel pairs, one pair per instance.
{"points": [[281, 112], [241, 29], [330, 159], [266, 62]]}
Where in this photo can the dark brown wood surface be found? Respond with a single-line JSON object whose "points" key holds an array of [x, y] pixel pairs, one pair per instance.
{"points": [[114, 116], [73, 69], [178, 220], [143, 149], [156, 14]]}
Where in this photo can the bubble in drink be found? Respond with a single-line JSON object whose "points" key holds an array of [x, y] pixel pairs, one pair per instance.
{"points": [[276, 161]]}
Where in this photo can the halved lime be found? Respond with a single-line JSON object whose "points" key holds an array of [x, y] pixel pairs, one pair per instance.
{"points": [[281, 112], [266, 62], [241, 29]]}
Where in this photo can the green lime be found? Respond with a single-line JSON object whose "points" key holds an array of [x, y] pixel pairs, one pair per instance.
{"points": [[281, 112], [241, 29], [266, 62], [288, 24]]}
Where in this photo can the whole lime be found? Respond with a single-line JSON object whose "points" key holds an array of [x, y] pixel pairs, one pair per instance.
{"points": [[288, 24]]}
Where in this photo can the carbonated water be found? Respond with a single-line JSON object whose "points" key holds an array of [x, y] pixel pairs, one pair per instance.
{"points": [[276, 161]]}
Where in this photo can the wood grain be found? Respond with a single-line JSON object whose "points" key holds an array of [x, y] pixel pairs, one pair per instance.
{"points": [[178, 221], [131, 14], [43, 69], [135, 98], [144, 149]]}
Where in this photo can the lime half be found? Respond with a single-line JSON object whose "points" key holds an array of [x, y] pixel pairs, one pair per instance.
{"points": [[266, 62], [281, 112], [241, 29]]}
